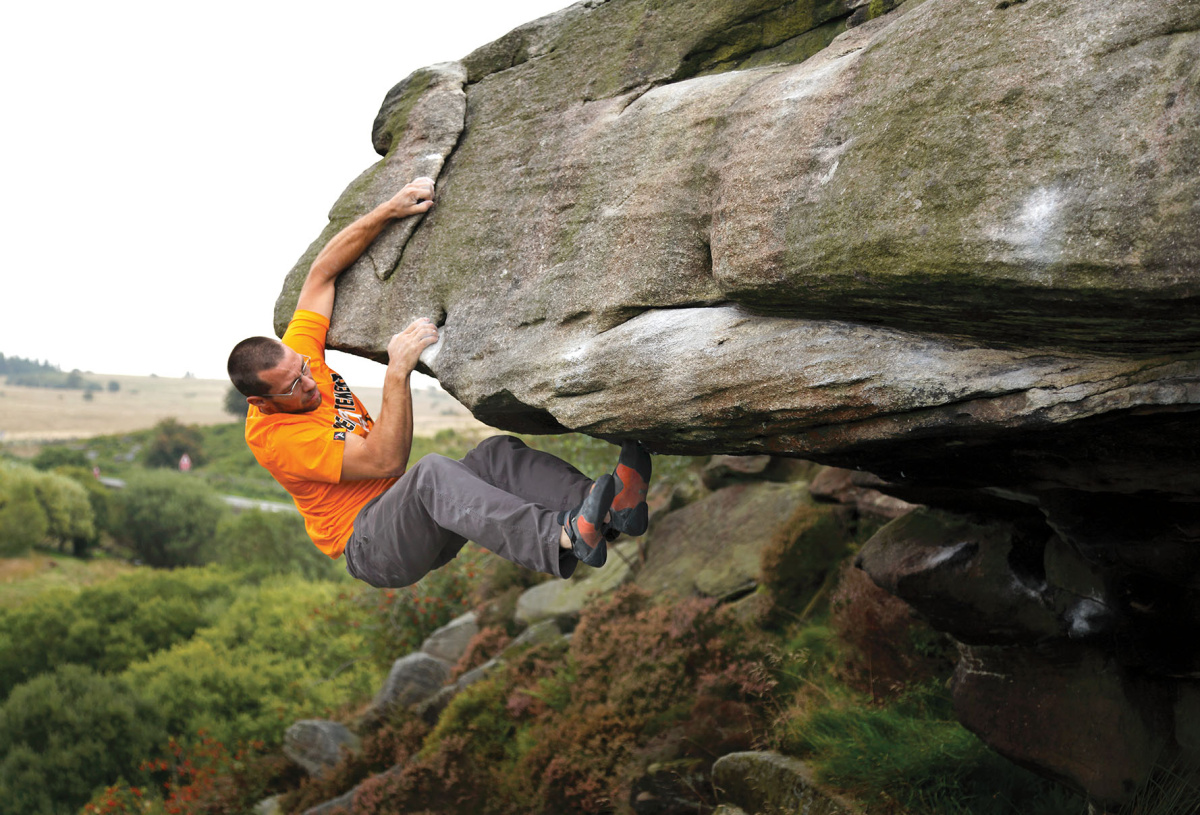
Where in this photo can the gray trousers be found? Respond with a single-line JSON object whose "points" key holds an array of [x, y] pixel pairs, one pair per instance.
{"points": [[503, 495]]}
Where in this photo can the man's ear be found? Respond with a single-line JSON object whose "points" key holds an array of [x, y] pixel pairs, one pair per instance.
{"points": [[257, 401]]}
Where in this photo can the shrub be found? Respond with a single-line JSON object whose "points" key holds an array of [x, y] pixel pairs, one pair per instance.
{"points": [[107, 627], [395, 743], [235, 404], [276, 655], [559, 731], [52, 456], [198, 777], [891, 645], [68, 732], [260, 544], [67, 507], [170, 440], [23, 522], [169, 519], [100, 498]]}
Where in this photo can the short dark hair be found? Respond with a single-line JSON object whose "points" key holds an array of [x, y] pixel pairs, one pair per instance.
{"points": [[249, 358]]}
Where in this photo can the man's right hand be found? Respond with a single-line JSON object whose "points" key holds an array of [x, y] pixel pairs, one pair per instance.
{"points": [[405, 348]]}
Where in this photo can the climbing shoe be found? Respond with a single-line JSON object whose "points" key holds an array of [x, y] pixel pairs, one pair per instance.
{"points": [[585, 524], [630, 515]]}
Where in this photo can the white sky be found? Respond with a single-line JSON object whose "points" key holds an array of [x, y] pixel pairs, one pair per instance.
{"points": [[163, 165]]}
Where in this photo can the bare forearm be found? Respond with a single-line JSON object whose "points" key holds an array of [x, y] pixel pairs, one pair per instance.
{"points": [[347, 246], [396, 416], [384, 452]]}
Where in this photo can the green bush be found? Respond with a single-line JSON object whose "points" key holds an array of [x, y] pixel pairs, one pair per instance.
{"points": [[52, 456], [67, 507], [170, 440], [108, 627], [169, 519], [68, 732], [265, 543], [235, 404], [278, 654], [23, 522], [101, 499], [35, 506]]}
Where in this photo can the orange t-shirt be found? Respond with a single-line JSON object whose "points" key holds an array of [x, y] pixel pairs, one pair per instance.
{"points": [[303, 451]]}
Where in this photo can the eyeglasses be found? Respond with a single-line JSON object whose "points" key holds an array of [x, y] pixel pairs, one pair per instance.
{"points": [[304, 371]]}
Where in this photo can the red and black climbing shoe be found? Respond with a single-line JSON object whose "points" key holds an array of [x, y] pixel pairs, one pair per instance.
{"points": [[585, 524], [630, 515]]}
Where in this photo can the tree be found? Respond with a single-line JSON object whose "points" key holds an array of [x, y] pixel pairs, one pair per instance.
{"points": [[169, 519], [265, 543], [23, 522], [113, 386], [67, 509], [235, 403], [101, 500], [52, 456], [170, 441]]}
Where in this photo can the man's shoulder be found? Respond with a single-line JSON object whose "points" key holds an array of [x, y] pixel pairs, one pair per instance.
{"points": [[306, 333], [264, 430]]}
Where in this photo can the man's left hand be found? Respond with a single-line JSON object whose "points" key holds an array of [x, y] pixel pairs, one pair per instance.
{"points": [[415, 198]]}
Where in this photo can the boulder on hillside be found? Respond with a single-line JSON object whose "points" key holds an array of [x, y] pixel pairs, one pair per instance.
{"points": [[318, 745], [1059, 714], [770, 782], [713, 548], [450, 641], [721, 471], [412, 680], [564, 599], [859, 489]]}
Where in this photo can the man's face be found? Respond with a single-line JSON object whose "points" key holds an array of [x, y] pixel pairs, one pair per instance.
{"points": [[291, 375]]}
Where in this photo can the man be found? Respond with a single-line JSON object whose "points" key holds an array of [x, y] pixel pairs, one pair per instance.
{"points": [[347, 473]]}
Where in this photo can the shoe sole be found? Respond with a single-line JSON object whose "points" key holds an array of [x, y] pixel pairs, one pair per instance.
{"points": [[589, 522], [630, 513]]}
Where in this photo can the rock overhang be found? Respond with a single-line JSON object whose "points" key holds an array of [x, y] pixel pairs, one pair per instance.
{"points": [[957, 247], [851, 227]]}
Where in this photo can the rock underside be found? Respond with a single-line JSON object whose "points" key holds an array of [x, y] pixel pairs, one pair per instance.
{"points": [[954, 244]]}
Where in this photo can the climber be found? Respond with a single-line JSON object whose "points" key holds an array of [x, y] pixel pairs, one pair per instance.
{"points": [[347, 473]]}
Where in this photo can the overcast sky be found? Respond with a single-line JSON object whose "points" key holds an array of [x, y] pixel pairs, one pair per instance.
{"points": [[165, 164]]}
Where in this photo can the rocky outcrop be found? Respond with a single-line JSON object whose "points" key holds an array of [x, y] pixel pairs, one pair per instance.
{"points": [[770, 782], [412, 680], [450, 641], [714, 547], [564, 599], [953, 245]]}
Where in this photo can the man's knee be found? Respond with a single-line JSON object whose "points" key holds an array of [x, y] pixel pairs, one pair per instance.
{"points": [[499, 442], [431, 468], [489, 450]]}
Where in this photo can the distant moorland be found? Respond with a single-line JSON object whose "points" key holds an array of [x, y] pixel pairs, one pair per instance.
{"points": [[48, 414]]}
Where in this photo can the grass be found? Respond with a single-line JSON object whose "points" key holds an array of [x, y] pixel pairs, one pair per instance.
{"points": [[26, 577], [34, 415], [908, 755]]}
